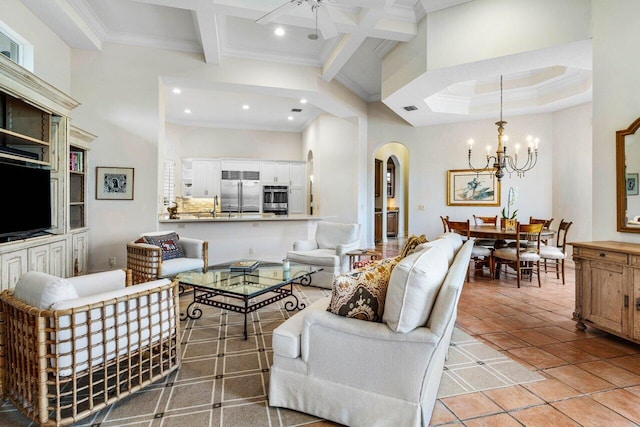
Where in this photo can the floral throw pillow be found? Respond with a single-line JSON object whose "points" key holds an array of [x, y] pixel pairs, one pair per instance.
{"points": [[169, 243], [361, 293]]}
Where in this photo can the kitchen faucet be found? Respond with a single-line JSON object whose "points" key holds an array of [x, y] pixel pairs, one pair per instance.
{"points": [[215, 204]]}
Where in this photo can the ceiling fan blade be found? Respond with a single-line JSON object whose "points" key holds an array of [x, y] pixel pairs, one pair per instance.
{"points": [[278, 11], [325, 23]]}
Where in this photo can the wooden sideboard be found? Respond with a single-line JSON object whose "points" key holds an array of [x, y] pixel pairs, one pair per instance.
{"points": [[608, 287]]}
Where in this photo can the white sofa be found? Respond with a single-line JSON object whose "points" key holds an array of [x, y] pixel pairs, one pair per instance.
{"points": [[361, 373], [327, 251], [57, 335]]}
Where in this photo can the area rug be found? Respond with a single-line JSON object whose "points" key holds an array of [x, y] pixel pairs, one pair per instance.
{"points": [[224, 380]]}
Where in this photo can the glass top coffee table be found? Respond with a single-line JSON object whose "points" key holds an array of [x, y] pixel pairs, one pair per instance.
{"points": [[244, 290]]}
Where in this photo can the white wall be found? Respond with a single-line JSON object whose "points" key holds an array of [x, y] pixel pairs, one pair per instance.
{"points": [[334, 143], [616, 103], [52, 61], [483, 29], [216, 143], [572, 186], [435, 149]]}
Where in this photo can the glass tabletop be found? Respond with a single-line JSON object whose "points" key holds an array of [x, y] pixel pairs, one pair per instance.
{"points": [[245, 282]]}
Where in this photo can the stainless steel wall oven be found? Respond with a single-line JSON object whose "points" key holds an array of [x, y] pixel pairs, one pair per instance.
{"points": [[275, 199]]}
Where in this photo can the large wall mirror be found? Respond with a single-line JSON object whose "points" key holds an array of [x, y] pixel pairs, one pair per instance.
{"points": [[627, 172]]}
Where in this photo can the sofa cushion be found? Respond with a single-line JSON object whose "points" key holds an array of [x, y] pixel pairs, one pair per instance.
{"points": [[43, 290], [174, 266], [169, 243], [319, 257], [331, 234], [411, 243], [413, 288], [361, 293]]}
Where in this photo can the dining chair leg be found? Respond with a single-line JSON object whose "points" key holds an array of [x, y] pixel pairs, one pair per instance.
{"points": [[518, 273], [538, 269], [562, 264]]}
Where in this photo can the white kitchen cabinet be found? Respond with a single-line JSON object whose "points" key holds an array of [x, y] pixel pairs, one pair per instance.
{"points": [[297, 174], [187, 178], [296, 200], [240, 165], [297, 187], [206, 178], [274, 172]]}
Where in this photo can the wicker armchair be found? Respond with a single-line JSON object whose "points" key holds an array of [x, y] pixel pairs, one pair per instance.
{"points": [[146, 263], [62, 363]]}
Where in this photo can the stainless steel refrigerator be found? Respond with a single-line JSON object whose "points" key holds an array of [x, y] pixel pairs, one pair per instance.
{"points": [[240, 191]]}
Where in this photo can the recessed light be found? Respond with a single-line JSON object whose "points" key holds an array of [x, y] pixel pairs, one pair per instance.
{"points": [[279, 31], [187, 111], [177, 90], [290, 118], [303, 101], [245, 107]]}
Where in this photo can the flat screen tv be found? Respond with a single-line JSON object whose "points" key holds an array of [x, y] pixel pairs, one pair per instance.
{"points": [[26, 197]]}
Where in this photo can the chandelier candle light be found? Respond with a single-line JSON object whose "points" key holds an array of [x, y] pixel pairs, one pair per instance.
{"points": [[502, 161]]}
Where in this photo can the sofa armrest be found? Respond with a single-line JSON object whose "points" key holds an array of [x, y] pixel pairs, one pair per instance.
{"points": [[193, 248], [305, 245], [144, 261], [347, 247], [336, 348]]}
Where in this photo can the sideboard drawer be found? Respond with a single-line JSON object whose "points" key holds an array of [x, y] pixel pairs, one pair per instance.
{"points": [[603, 255]]}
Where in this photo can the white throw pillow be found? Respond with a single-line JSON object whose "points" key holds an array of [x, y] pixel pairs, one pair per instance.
{"points": [[413, 288], [443, 242], [454, 239], [42, 290]]}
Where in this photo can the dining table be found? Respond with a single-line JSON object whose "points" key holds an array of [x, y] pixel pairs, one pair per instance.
{"points": [[497, 233]]}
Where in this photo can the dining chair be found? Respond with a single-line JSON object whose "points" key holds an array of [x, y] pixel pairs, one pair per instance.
{"points": [[546, 225], [444, 220], [557, 252], [481, 256], [523, 257], [488, 221], [485, 220]]}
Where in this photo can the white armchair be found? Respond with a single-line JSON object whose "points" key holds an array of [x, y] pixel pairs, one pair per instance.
{"points": [[149, 261], [70, 347], [327, 251]]}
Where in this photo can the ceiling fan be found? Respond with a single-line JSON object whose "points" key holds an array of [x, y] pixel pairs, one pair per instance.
{"points": [[320, 12]]}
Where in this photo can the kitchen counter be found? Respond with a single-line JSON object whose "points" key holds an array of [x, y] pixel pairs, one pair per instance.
{"points": [[265, 237], [235, 217]]}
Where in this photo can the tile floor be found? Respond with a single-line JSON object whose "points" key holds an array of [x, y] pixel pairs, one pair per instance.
{"points": [[593, 377]]}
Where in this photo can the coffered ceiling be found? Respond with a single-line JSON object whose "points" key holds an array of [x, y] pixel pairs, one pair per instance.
{"points": [[365, 31]]}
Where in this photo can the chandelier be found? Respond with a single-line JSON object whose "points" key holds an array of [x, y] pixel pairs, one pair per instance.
{"points": [[502, 162]]}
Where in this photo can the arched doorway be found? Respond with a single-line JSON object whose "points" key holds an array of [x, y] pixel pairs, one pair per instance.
{"points": [[391, 165]]}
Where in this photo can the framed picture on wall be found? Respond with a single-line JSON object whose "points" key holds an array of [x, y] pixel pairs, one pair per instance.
{"points": [[468, 188], [114, 183], [632, 184]]}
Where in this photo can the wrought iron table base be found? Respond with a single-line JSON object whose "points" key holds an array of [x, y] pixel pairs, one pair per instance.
{"points": [[206, 296]]}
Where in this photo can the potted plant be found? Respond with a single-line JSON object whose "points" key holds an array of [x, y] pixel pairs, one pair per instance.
{"points": [[509, 219]]}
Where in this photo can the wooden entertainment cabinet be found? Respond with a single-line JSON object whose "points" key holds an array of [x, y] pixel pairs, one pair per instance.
{"points": [[608, 287], [35, 129]]}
